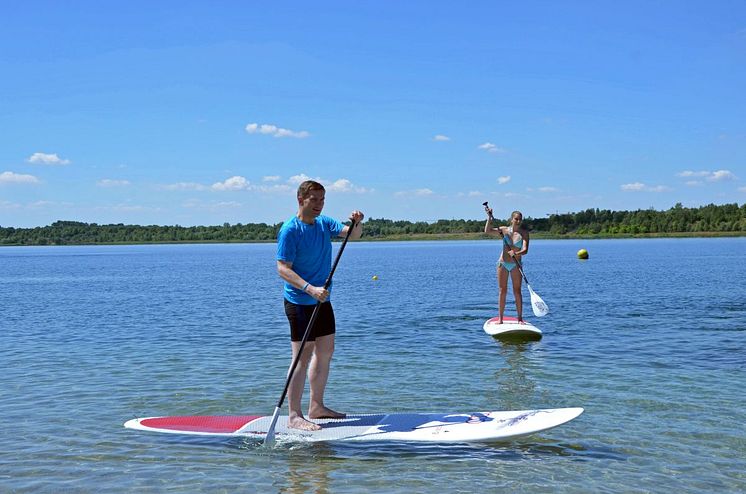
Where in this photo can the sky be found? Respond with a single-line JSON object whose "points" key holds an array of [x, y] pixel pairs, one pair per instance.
{"points": [[204, 113]]}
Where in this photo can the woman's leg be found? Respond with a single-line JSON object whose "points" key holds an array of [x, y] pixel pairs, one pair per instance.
{"points": [[515, 275], [502, 282]]}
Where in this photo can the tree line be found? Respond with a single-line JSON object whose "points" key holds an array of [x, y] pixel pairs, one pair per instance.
{"points": [[726, 218]]}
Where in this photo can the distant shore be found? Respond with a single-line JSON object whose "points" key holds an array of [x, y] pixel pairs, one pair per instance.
{"points": [[549, 236], [726, 220], [415, 237]]}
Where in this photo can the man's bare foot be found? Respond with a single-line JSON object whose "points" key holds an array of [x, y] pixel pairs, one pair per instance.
{"points": [[325, 413], [500, 321], [298, 422]]}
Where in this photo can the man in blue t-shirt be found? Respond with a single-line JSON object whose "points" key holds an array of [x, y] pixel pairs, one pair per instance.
{"points": [[304, 258]]}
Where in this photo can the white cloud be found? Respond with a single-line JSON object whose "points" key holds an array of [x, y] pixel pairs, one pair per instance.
{"points": [[546, 189], [107, 182], [240, 183], [17, 178], [515, 195], [339, 185], [47, 159], [633, 186], [689, 173], [9, 205], [721, 176], [716, 176], [275, 131], [41, 204], [211, 206], [441, 138], [271, 189], [184, 186], [415, 193], [344, 185], [233, 183], [133, 208], [694, 183], [503, 180], [490, 148], [128, 208], [641, 187], [423, 192], [472, 193], [299, 179], [34, 206], [742, 189]]}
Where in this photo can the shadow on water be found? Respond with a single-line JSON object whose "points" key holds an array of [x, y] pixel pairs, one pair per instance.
{"points": [[321, 456], [517, 339], [530, 448]]}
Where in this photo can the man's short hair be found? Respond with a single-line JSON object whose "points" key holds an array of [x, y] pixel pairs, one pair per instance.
{"points": [[306, 187]]}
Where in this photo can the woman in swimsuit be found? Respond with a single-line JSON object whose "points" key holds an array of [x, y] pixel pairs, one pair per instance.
{"points": [[515, 245]]}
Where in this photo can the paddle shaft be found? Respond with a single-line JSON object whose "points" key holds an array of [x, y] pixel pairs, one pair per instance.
{"points": [[271, 431]]}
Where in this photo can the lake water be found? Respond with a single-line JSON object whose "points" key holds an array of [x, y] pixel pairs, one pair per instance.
{"points": [[647, 335]]}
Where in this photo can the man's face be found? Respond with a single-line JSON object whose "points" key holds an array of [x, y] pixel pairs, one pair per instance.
{"points": [[313, 203]]}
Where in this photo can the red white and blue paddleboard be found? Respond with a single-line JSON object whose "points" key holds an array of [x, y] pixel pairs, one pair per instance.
{"points": [[512, 329], [420, 427]]}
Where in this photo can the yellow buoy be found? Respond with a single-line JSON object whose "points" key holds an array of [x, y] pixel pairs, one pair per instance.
{"points": [[375, 277], [582, 254]]}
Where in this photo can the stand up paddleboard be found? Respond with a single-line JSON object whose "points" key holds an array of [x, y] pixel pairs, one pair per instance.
{"points": [[430, 427], [512, 329]]}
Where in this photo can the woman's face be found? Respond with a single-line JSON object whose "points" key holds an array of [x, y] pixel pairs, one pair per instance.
{"points": [[517, 218]]}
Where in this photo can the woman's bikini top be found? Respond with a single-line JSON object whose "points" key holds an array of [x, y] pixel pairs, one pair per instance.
{"points": [[519, 243]]}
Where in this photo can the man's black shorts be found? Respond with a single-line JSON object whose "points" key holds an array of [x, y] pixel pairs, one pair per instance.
{"points": [[299, 315]]}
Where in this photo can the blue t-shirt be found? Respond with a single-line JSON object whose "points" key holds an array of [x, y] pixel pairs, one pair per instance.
{"points": [[309, 248]]}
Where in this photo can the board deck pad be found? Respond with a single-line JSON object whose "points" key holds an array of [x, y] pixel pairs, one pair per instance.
{"points": [[512, 329], [430, 427]]}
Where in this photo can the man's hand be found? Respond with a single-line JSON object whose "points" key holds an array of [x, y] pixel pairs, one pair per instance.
{"points": [[318, 292], [357, 216]]}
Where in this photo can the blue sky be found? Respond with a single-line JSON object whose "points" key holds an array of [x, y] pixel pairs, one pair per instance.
{"points": [[201, 113]]}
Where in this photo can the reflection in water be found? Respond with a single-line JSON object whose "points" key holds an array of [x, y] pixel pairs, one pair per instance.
{"points": [[308, 469], [515, 388], [297, 467]]}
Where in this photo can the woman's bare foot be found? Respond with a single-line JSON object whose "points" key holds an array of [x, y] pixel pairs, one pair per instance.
{"points": [[298, 422], [325, 413]]}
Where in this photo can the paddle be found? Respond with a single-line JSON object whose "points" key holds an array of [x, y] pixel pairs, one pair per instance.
{"points": [[539, 307], [269, 440]]}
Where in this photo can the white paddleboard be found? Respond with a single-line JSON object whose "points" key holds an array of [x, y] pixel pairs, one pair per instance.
{"points": [[511, 328], [430, 427]]}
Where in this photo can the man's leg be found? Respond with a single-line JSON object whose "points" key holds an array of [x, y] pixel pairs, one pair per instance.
{"points": [[318, 376], [295, 390]]}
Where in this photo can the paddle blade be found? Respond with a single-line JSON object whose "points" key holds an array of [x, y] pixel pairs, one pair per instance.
{"points": [[269, 439], [537, 304]]}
